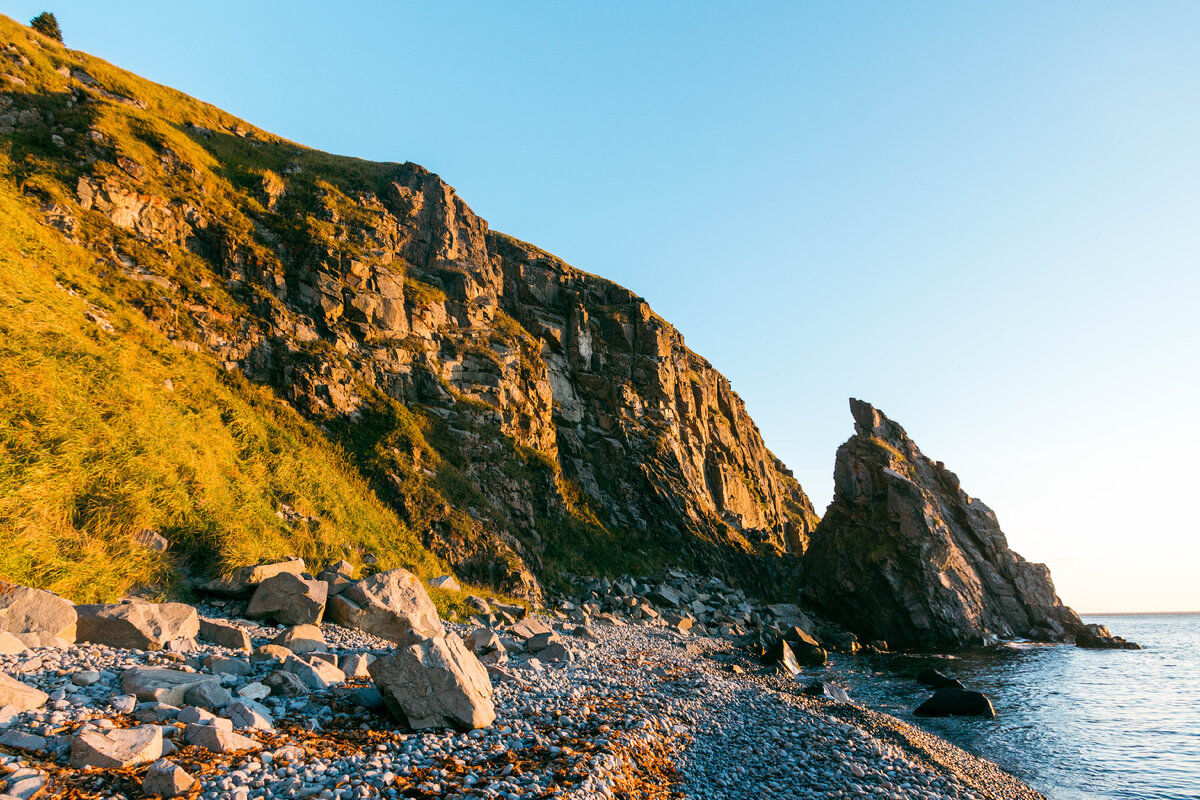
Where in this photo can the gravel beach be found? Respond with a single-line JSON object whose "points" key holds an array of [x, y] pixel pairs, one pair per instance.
{"points": [[629, 711]]}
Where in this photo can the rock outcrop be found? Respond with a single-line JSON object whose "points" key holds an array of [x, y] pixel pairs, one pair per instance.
{"points": [[903, 554]]}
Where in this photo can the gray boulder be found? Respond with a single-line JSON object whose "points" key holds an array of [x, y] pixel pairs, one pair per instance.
{"points": [[166, 779], [225, 634], [302, 639], [142, 626], [445, 582], [118, 748], [243, 581], [162, 685], [392, 605], [314, 673], [26, 610], [437, 683], [10, 645], [289, 599], [19, 695], [218, 740]]}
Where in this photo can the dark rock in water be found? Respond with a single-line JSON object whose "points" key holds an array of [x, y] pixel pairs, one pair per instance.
{"points": [[935, 679], [1099, 637], [905, 555], [823, 689], [951, 702], [780, 653], [807, 650]]}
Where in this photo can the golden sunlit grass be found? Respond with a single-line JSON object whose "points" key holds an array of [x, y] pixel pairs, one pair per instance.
{"points": [[95, 446]]}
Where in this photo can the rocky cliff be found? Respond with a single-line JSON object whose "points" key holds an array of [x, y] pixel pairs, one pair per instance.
{"points": [[903, 554], [523, 416]]}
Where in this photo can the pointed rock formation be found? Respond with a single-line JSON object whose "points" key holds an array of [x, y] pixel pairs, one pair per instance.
{"points": [[905, 555]]}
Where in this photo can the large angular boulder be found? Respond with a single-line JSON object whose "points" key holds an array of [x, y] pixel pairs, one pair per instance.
{"points": [[904, 555], [242, 582], [142, 626], [289, 599], [808, 651], [157, 684], [302, 639], [19, 695], [392, 605], [10, 645], [437, 683], [25, 610], [225, 634], [118, 748], [166, 779]]}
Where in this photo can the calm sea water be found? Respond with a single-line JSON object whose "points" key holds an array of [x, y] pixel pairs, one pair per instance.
{"points": [[1074, 724]]}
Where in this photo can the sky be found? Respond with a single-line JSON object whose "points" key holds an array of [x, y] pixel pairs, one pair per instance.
{"points": [[982, 218]]}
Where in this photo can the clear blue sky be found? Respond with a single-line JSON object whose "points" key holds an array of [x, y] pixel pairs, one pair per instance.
{"points": [[983, 218]]}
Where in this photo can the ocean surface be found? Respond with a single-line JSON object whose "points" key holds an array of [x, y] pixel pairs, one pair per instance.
{"points": [[1074, 724]]}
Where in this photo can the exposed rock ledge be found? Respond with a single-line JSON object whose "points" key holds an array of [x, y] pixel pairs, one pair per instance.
{"points": [[905, 555]]}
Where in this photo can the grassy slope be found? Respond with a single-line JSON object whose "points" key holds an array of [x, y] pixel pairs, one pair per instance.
{"points": [[94, 447]]}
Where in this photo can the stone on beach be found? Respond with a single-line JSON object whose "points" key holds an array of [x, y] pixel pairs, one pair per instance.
{"points": [[289, 599], [25, 610], [219, 741], [392, 605], [118, 748], [225, 634], [301, 639], [243, 581], [163, 685], [166, 779], [10, 645], [436, 683], [142, 626], [19, 695]]}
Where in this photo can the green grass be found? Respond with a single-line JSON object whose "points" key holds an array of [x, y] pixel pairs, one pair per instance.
{"points": [[94, 447]]}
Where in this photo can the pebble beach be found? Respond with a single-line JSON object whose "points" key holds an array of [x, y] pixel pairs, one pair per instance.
{"points": [[634, 710]]}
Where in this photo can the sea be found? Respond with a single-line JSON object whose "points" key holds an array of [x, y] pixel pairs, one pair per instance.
{"points": [[1074, 724]]}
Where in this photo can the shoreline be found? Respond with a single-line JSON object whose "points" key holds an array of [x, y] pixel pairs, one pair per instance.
{"points": [[641, 711]]}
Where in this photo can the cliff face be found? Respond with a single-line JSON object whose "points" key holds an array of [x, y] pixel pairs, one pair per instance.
{"points": [[518, 412], [903, 554]]}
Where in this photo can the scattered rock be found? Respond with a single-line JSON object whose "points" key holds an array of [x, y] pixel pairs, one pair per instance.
{"points": [[219, 741], [142, 626], [163, 685], [781, 654], [167, 779], [243, 581], [829, 690], [19, 695], [445, 582], [392, 605], [301, 639], [117, 749], [315, 673], [24, 610], [951, 702], [289, 599], [436, 683], [225, 634], [151, 540]]}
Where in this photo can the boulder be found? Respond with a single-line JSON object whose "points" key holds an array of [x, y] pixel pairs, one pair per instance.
{"points": [[247, 714], [301, 639], [225, 634], [781, 654], [218, 740], [10, 645], [118, 748], [218, 665], [20, 740], [25, 610], [1099, 637], [19, 695], [936, 680], [314, 673], [807, 650], [285, 684], [289, 599], [337, 577], [242, 582], [355, 665], [151, 540], [951, 702], [166, 779], [445, 582], [163, 685], [528, 628], [208, 695], [269, 652], [904, 555], [392, 605], [43, 639], [140, 626], [437, 683], [828, 690]]}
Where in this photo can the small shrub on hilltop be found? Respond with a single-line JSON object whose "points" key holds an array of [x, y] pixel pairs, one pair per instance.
{"points": [[46, 24]]}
